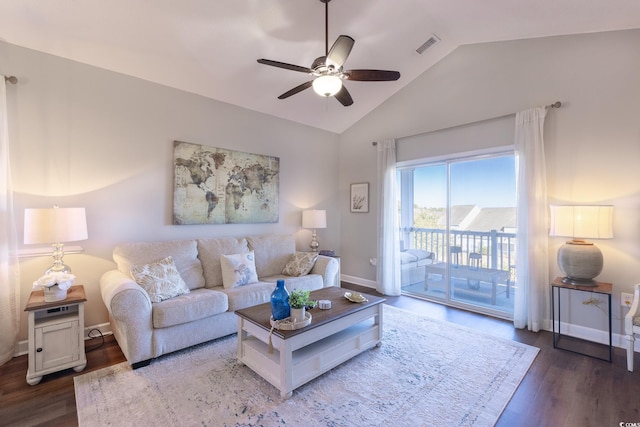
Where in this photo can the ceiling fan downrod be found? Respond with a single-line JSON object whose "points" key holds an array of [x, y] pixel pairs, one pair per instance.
{"points": [[326, 26]]}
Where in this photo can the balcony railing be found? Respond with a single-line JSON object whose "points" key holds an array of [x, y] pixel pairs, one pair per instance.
{"points": [[497, 249]]}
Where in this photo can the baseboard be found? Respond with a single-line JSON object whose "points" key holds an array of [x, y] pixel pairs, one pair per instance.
{"points": [[359, 281], [104, 328], [595, 335]]}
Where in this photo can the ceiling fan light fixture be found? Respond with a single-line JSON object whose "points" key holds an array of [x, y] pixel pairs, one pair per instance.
{"points": [[327, 70], [327, 85]]}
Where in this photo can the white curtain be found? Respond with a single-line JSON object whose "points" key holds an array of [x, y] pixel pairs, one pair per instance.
{"points": [[532, 232], [388, 268], [9, 276]]}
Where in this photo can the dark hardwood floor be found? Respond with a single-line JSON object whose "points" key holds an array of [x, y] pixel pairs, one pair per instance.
{"points": [[52, 402], [560, 389]]}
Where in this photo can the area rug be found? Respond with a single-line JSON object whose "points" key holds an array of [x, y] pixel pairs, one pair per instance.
{"points": [[426, 373]]}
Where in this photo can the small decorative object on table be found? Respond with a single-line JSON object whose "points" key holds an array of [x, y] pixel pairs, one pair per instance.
{"points": [[324, 304], [280, 308], [355, 297], [298, 300], [289, 324], [54, 285], [286, 312]]}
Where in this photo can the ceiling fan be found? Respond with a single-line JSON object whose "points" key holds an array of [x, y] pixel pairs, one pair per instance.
{"points": [[327, 70]]}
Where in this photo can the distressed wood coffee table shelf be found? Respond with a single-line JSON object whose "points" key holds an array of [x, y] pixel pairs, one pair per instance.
{"points": [[334, 336]]}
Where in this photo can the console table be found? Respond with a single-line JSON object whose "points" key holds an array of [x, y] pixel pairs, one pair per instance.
{"points": [[599, 288]]}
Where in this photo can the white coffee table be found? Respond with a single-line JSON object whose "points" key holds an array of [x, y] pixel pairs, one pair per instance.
{"points": [[298, 356]]}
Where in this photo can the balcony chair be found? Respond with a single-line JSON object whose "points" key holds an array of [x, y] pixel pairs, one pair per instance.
{"points": [[475, 263], [632, 325], [455, 251]]}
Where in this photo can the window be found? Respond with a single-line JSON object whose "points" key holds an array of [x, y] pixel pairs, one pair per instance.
{"points": [[457, 227]]}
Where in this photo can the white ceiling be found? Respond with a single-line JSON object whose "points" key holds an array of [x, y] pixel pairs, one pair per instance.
{"points": [[210, 47]]}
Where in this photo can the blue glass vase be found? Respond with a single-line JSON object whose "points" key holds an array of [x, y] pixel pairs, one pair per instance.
{"points": [[280, 308]]}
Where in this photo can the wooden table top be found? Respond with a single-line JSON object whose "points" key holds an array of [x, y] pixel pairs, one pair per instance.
{"points": [[340, 307], [599, 287], [36, 301]]}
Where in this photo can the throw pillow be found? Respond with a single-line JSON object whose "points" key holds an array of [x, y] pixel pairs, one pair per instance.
{"points": [[160, 279], [300, 264], [238, 269]]}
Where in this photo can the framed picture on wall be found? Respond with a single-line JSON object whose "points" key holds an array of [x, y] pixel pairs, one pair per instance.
{"points": [[215, 185], [360, 197]]}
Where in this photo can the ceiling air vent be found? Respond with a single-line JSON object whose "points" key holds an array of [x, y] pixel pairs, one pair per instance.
{"points": [[426, 45]]}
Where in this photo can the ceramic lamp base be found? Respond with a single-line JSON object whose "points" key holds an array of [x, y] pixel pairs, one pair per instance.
{"points": [[580, 261]]}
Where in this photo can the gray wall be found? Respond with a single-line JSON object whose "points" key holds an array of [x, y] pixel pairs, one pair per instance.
{"points": [[592, 142], [83, 136]]}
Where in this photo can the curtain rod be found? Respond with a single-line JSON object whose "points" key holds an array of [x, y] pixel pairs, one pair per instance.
{"points": [[11, 79], [556, 104]]}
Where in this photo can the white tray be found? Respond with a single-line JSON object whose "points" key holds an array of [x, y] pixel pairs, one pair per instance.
{"points": [[287, 324]]}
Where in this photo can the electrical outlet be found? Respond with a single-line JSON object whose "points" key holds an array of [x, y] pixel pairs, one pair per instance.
{"points": [[626, 299]]}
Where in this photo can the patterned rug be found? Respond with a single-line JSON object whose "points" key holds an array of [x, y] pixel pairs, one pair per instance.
{"points": [[426, 373]]}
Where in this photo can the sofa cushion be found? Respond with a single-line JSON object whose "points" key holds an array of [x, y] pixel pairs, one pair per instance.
{"points": [[160, 279], [183, 252], [196, 305], [238, 269], [416, 256], [310, 282], [248, 295], [300, 264], [209, 251], [423, 257], [272, 253], [407, 258]]}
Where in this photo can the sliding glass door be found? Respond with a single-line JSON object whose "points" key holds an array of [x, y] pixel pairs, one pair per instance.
{"points": [[458, 232]]}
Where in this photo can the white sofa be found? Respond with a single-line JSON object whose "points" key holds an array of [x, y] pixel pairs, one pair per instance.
{"points": [[146, 330]]}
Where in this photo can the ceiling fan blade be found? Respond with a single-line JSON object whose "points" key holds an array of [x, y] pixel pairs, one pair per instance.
{"points": [[340, 50], [344, 96], [372, 75], [285, 65], [296, 89]]}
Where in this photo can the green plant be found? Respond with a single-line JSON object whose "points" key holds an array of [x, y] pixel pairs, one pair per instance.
{"points": [[299, 299]]}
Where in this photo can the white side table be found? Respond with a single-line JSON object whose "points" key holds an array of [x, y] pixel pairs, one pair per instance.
{"points": [[56, 334]]}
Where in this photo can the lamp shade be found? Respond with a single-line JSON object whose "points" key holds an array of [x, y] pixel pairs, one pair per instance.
{"points": [[327, 85], [54, 225], [585, 222], [314, 218]]}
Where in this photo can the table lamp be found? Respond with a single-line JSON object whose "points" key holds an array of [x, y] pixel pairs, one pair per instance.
{"points": [[55, 225], [579, 259], [314, 219]]}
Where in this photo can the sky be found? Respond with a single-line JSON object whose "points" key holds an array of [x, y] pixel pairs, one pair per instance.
{"points": [[488, 183]]}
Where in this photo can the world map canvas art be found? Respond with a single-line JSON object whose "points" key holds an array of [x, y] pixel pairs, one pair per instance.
{"points": [[220, 186]]}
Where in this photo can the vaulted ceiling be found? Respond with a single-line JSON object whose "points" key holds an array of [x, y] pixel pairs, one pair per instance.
{"points": [[210, 47]]}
